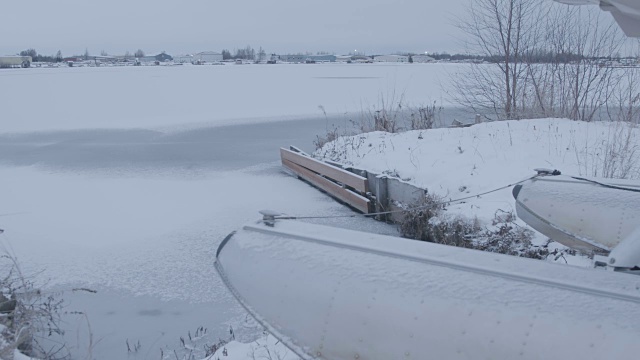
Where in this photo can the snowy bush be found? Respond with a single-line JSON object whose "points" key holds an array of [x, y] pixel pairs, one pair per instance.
{"points": [[505, 236], [431, 223], [29, 317]]}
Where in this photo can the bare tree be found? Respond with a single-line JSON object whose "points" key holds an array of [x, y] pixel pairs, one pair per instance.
{"points": [[546, 59], [29, 52], [248, 53], [577, 80], [504, 32], [139, 53], [261, 54]]}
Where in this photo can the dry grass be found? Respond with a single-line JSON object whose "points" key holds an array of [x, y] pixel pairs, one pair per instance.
{"points": [[31, 317]]}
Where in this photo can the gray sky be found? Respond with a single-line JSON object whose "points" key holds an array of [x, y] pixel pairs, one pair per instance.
{"points": [[183, 26]]}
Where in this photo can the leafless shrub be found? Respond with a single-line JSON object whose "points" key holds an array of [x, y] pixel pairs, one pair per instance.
{"points": [[384, 116], [615, 156], [541, 60], [31, 316], [425, 117], [416, 223], [575, 81], [196, 345], [260, 349], [388, 116], [621, 153], [429, 223], [329, 137], [209, 350], [135, 347], [504, 236], [503, 31], [625, 104]]}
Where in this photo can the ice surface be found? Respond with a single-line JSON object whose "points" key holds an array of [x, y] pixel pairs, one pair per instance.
{"points": [[119, 191], [181, 96]]}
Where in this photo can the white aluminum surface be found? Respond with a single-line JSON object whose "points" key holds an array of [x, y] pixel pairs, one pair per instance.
{"points": [[626, 12], [580, 214], [336, 294]]}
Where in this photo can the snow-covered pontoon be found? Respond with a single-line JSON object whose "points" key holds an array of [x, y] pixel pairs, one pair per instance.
{"points": [[599, 216], [331, 293], [625, 12]]}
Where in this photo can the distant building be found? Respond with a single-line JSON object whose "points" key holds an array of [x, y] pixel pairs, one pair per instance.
{"points": [[361, 59], [323, 58], [162, 57], [422, 58], [273, 59], [15, 61], [299, 58], [293, 58], [391, 58], [208, 56], [183, 59]]}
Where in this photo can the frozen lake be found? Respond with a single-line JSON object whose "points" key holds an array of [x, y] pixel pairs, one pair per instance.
{"points": [[132, 97], [125, 180]]}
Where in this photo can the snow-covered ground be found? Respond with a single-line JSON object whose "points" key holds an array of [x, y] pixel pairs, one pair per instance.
{"points": [[460, 162], [265, 347]]}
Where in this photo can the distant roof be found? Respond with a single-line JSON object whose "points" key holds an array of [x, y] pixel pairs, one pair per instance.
{"points": [[209, 53], [423, 56]]}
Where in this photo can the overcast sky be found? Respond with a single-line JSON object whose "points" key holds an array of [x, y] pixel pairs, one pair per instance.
{"points": [[184, 26]]}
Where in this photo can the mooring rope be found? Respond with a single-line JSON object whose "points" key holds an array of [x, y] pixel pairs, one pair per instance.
{"points": [[417, 208], [605, 185]]}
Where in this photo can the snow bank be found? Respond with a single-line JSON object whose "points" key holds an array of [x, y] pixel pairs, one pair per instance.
{"points": [[17, 355], [266, 347], [459, 162]]}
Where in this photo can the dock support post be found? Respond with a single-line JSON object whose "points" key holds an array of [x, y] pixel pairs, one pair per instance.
{"points": [[382, 196]]}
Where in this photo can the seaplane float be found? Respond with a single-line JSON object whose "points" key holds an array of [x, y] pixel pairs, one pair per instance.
{"points": [[331, 293], [625, 12]]}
